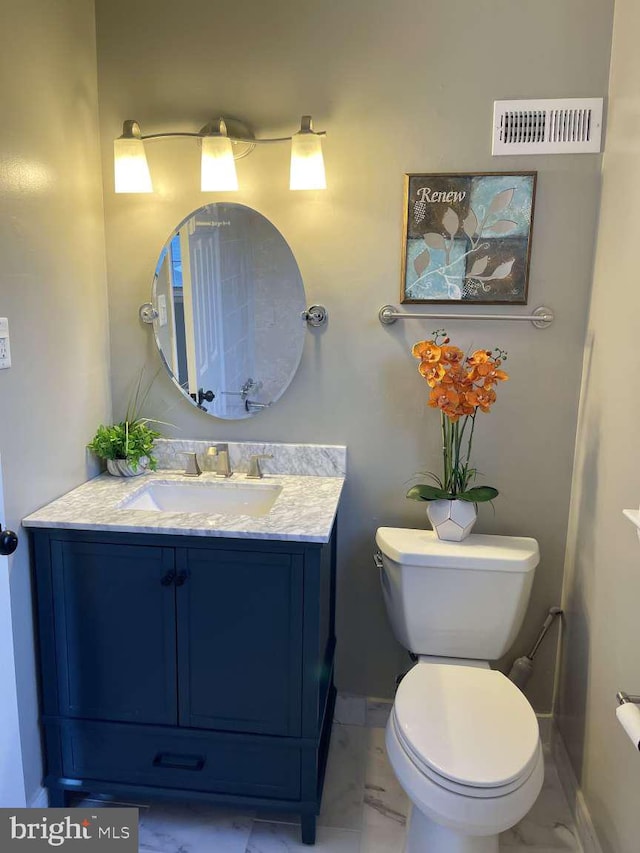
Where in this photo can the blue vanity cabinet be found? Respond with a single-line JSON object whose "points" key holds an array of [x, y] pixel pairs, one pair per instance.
{"points": [[186, 666]]}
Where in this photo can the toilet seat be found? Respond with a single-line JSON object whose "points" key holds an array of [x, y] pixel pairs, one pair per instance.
{"points": [[470, 730]]}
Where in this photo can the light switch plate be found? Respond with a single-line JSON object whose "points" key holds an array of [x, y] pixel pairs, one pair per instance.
{"points": [[5, 350]]}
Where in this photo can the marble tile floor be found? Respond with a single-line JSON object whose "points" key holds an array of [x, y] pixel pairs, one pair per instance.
{"points": [[364, 810]]}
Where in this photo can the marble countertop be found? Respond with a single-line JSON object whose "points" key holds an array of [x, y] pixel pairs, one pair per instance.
{"points": [[304, 510]]}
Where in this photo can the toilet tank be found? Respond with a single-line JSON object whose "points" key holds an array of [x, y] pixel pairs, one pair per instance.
{"points": [[455, 599]]}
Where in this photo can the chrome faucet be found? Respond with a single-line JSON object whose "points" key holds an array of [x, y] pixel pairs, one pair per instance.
{"points": [[255, 471], [219, 456], [192, 469]]}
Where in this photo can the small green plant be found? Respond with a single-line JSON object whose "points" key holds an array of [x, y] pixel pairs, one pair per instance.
{"points": [[132, 438], [126, 440]]}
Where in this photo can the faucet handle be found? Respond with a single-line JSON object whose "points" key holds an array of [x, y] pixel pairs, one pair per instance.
{"points": [[255, 471], [221, 453], [192, 469]]}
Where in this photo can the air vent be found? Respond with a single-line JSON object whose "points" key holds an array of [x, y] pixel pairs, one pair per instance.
{"points": [[562, 126]]}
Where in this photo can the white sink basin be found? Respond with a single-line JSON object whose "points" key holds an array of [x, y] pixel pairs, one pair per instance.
{"points": [[255, 499]]}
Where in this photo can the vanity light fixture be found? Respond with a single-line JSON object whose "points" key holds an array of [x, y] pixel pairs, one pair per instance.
{"points": [[223, 141], [131, 168], [307, 162], [218, 169]]}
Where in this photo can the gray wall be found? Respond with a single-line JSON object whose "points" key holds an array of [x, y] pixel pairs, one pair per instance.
{"points": [[400, 87], [52, 285], [602, 589]]}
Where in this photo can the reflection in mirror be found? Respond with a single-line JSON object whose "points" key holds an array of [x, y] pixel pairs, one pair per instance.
{"points": [[230, 302]]}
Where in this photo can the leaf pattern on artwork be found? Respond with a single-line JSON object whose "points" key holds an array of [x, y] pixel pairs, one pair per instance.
{"points": [[421, 261], [451, 222], [434, 240], [470, 223], [501, 200], [502, 270], [479, 266], [502, 226]]}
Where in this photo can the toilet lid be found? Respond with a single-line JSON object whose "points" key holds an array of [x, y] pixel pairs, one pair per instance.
{"points": [[472, 726], [478, 552]]}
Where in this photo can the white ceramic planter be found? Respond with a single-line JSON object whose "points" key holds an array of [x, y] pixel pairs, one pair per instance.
{"points": [[121, 468], [452, 520]]}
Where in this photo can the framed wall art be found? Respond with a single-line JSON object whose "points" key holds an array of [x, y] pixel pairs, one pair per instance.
{"points": [[467, 237]]}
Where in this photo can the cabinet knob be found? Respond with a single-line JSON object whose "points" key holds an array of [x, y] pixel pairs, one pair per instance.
{"points": [[181, 578], [8, 542], [168, 579]]}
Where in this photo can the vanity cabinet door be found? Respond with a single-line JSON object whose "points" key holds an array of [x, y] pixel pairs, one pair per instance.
{"points": [[115, 623], [240, 640]]}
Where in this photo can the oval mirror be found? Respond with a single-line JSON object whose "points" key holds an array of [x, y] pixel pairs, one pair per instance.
{"points": [[230, 303]]}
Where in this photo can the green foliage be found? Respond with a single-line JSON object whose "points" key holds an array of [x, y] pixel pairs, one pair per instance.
{"points": [[477, 494], [424, 492], [130, 441]]}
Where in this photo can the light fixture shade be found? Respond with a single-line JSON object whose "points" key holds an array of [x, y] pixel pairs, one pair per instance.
{"points": [[218, 167], [307, 163], [130, 166]]}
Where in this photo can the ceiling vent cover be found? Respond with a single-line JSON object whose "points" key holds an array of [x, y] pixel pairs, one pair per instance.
{"points": [[557, 126]]}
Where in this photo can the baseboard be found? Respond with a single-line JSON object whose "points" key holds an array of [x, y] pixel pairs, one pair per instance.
{"points": [[545, 723], [575, 797], [40, 800]]}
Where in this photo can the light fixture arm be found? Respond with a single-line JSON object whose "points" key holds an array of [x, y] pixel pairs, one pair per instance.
{"points": [[167, 135], [235, 130], [215, 127]]}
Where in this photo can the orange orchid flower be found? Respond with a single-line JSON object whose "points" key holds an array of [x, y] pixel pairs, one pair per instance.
{"points": [[427, 351], [494, 376], [432, 373], [480, 356], [442, 397], [488, 374], [452, 355], [483, 398]]}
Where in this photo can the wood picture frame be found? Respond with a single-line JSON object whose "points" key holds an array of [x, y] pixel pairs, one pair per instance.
{"points": [[467, 237]]}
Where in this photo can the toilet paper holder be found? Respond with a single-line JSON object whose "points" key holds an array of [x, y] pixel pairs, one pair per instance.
{"points": [[623, 698]]}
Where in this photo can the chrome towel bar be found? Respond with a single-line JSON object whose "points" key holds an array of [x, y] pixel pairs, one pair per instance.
{"points": [[541, 318]]}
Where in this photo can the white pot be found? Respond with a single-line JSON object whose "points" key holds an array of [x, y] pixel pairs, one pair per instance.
{"points": [[452, 520], [121, 468]]}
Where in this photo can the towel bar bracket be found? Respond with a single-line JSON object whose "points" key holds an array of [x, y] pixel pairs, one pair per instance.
{"points": [[623, 698]]}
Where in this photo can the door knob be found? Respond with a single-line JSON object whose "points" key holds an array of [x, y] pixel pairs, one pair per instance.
{"points": [[8, 542], [201, 396]]}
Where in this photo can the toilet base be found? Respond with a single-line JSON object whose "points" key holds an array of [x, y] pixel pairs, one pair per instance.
{"points": [[426, 836]]}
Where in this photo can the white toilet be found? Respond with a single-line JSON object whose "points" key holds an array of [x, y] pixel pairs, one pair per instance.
{"points": [[462, 739]]}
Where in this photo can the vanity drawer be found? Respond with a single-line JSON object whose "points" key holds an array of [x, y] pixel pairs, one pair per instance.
{"points": [[246, 765]]}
